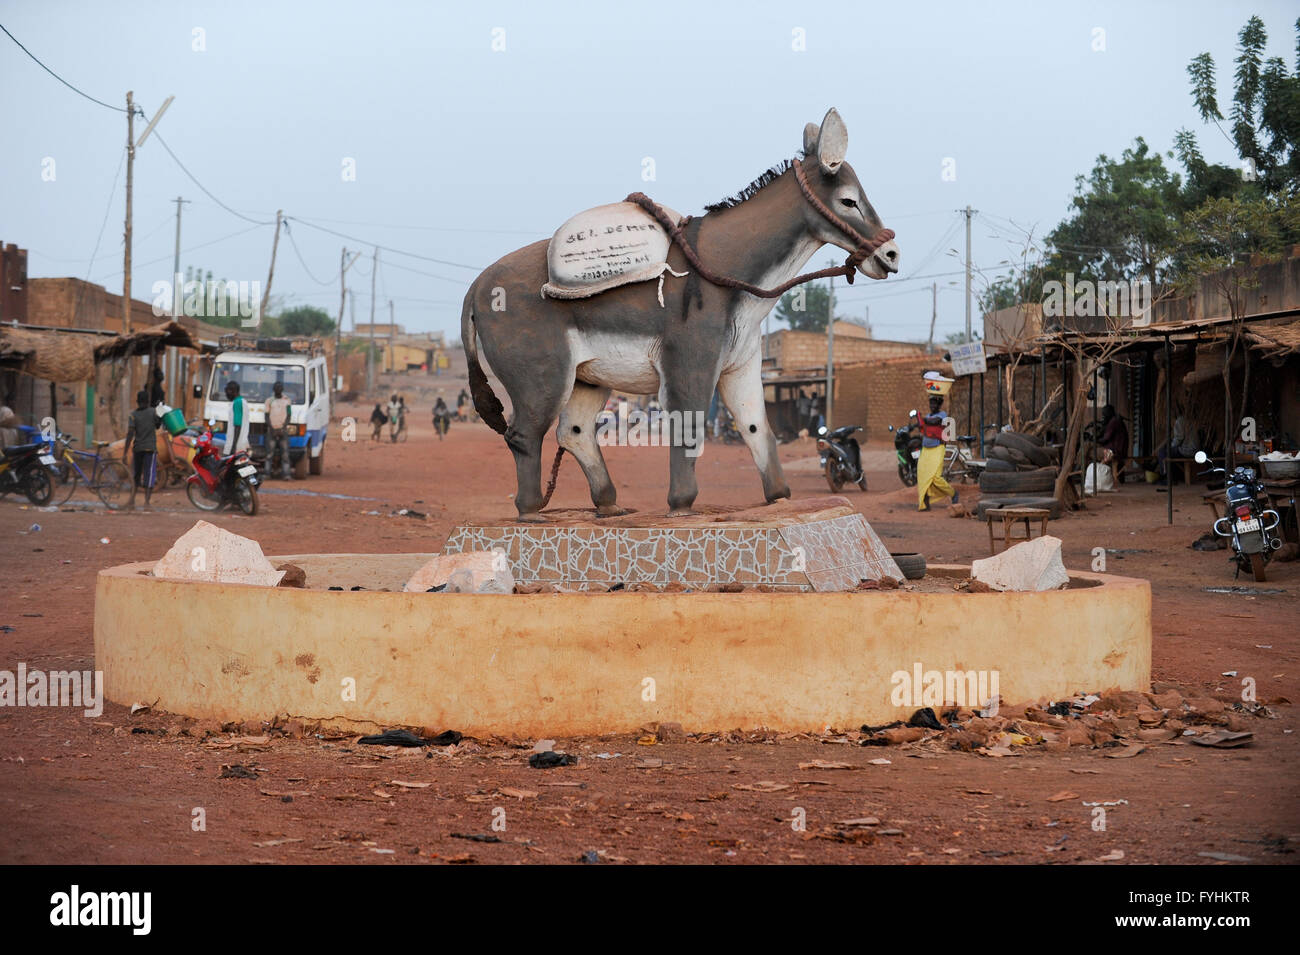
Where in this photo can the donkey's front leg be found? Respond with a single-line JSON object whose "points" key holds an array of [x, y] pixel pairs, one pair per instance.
{"points": [[742, 390]]}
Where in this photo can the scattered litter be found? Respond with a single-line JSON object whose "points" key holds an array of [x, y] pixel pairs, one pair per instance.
{"points": [[1127, 752], [551, 759], [879, 762], [1117, 802], [34, 529], [608, 755], [393, 738], [1248, 591], [825, 764], [1062, 796], [1113, 856], [237, 771], [474, 837], [105, 540], [1228, 673], [925, 719], [511, 793], [544, 746], [1223, 857], [763, 786], [1223, 739], [139, 708], [405, 785]]}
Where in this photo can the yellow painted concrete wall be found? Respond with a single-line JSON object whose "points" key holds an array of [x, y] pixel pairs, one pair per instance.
{"points": [[563, 664]]}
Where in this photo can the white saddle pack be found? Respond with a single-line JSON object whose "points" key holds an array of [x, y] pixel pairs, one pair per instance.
{"points": [[607, 247]]}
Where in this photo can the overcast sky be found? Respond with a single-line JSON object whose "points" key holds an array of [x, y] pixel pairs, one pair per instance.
{"points": [[463, 153]]}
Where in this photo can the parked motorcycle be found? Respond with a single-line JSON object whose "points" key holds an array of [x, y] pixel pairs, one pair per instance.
{"points": [[28, 468], [907, 442], [841, 457], [1246, 521], [219, 480]]}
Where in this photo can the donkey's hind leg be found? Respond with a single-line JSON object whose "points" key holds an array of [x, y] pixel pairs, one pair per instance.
{"points": [[576, 433]]}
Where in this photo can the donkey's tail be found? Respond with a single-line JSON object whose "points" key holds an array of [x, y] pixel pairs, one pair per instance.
{"points": [[486, 403]]}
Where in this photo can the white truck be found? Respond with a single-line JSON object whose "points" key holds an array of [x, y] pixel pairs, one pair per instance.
{"points": [[257, 364]]}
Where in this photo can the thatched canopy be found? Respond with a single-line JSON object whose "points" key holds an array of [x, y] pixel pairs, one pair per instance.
{"points": [[52, 355], [145, 342], [1275, 340]]}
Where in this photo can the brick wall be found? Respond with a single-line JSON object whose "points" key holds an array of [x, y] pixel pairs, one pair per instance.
{"points": [[796, 351], [880, 393]]}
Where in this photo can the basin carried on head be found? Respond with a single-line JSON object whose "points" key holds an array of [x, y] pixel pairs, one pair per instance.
{"points": [[586, 663]]}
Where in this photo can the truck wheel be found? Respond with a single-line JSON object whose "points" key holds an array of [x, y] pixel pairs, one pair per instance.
{"points": [[317, 464], [300, 466]]}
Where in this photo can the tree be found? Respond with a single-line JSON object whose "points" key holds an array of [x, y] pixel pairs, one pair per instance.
{"points": [[1225, 240], [304, 320], [805, 308], [1265, 116], [1124, 223], [959, 338]]}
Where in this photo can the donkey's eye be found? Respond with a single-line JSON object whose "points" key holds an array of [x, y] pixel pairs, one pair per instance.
{"points": [[849, 203]]}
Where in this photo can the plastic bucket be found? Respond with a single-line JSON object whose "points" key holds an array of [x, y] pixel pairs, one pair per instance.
{"points": [[174, 421]]}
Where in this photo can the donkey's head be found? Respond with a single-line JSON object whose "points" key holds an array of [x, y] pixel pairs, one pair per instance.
{"points": [[836, 184]]}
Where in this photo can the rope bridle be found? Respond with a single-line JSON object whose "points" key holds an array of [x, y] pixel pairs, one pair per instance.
{"points": [[864, 245]]}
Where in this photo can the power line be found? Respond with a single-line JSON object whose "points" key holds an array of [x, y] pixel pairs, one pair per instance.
{"points": [[158, 136], [385, 248], [294, 242], [193, 248], [119, 109]]}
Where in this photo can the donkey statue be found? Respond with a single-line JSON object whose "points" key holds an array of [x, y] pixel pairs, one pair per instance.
{"points": [[561, 357]]}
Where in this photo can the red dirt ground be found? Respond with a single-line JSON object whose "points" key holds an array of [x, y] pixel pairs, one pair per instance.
{"points": [[76, 790]]}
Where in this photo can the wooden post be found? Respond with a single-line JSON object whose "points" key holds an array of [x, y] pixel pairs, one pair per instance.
{"points": [[275, 244], [370, 350], [126, 236]]}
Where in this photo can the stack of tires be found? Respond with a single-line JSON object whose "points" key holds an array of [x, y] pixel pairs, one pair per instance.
{"points": [[1020, 472]]}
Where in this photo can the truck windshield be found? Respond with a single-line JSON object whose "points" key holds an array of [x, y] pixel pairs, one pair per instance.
{"points": [[255, 380]]}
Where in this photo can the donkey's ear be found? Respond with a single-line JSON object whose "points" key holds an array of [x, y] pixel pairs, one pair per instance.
{"points": [[810, 133], [832, 143]]}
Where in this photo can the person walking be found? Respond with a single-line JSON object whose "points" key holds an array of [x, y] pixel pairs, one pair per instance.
{"points": [[377, 421], [141, 448], [278, 410], [929, 467], [237, 426], [394, 418]]}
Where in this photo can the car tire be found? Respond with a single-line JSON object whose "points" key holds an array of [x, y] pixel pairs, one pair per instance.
{"points": [[317, 464], [990, 502], [1035, 454], [1019, 482], [998, 464], [912, 565], [301, 465]]}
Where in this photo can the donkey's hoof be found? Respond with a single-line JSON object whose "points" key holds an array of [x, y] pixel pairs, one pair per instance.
{"points": [[533, 517], [611, 510], [681, 512]]}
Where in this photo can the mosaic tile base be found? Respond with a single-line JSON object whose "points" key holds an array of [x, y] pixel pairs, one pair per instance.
{"points": [[819, 544]]}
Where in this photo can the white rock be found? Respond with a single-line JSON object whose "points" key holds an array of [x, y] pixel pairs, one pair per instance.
{"points": [[471, 572], [1031, 565], [206, 552]]}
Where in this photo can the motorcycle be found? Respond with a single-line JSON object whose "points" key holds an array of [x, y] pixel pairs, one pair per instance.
{"points": [[1246, 521], [219, 480], [841, 457], [907, 443], [28, 468]]}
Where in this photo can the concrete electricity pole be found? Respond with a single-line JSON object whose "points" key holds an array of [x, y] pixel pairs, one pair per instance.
{"points": [[131, 147], [934, 314], [344, 265], [176, 261], [830, 351], [968, 212], [370, 351], [275, 244]]}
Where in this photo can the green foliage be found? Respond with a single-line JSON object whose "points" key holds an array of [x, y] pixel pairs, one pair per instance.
{"points": [[1124, 220], [959, 338], [805, 308], [303, 320]]}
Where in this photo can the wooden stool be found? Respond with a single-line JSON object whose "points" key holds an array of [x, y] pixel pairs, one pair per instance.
{"points": [[1010, 516]]}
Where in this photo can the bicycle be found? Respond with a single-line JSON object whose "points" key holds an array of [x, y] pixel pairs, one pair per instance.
{"points": [[108, 479], [960, 462]]}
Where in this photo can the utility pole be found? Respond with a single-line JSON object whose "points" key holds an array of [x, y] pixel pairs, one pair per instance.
{"points": [[275, 244], [830, 351], [344, 265], [934, 314], [391, 320], [968, 212], [370, 351], [131, 147], [176, 262], [130, 179]]}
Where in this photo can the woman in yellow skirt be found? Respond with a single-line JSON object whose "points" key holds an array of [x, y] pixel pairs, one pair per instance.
{"points": [[929, 466]]}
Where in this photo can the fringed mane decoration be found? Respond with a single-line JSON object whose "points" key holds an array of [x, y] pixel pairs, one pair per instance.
{"points": [[749, 191]]}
